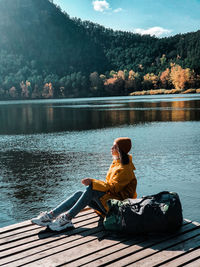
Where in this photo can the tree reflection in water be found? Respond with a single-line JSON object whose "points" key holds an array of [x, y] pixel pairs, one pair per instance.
{"points": [[88, 114]]}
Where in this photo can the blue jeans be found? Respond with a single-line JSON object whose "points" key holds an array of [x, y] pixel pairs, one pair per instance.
{"points": [[79, 200]]}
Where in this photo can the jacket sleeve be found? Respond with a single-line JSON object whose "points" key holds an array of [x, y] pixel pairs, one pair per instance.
{"points": [[118, 181], [100, 185]]}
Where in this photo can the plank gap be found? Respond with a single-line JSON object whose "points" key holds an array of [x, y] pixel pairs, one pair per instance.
{"points": [[48, 234], [148, 246], [55, 246], [190, 261], [178, 256]]}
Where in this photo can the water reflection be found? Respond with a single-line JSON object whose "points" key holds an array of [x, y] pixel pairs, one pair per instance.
{"points": [[28, 173], [49, 117]]}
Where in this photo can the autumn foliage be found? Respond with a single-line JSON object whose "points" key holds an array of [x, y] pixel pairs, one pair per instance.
{"points": [[150, 80], [172, 80], [47, 90], [179, 76], [165, 78]]}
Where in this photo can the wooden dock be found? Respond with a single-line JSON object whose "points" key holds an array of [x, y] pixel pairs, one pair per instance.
{"points": [[24, 244]]}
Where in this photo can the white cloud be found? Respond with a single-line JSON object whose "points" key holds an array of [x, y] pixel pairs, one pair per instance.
{"points": [[100, 5], [118, 10], [157, 31]]}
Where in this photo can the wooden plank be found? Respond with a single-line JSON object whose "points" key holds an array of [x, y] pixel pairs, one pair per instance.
{"points": [[102, 252], [141, 257], [183, 258], [43, 235], [138, 251], [89, 223], [55, 242], [194, 263], [15, 226], [33, 231], [28, 223], [104, 255], [31, 226], [158, 258], [26, 244], [116, 254], [25, 229], [47, 236], [66, 255]]}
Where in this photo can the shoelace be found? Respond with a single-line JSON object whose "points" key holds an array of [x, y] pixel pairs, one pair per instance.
{"points": [[62, 218], [44, 215]]}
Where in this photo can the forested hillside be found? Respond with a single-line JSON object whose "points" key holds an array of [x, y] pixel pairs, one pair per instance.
{"points": [[126, 50], [44, 54]]}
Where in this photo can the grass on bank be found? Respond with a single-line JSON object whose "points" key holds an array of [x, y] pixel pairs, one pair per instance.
{"points": [[165, 91]]}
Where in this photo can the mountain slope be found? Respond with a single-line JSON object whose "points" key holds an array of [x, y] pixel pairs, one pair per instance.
{"points": [[126, 50], [39, 31]]}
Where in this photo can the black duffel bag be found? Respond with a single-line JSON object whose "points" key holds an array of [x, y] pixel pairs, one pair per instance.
{"points": [[150, 214]]}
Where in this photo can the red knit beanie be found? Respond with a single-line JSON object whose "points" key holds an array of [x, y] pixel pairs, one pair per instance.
{"points": [[124, 144]]}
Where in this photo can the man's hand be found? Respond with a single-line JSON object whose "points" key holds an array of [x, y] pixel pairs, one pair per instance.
{"points": [[86, 181]]}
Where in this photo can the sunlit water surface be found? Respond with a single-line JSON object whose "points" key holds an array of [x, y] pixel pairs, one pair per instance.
{"points": [[47, 147]]}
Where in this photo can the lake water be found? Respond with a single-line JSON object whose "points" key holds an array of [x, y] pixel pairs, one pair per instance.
{"points": [[48, 146]]}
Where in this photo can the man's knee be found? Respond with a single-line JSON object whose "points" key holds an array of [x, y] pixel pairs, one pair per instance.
{"points": [[89, 188], [77, 194]]}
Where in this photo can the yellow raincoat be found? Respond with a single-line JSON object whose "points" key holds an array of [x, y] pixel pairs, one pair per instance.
{"points": [[120, 182]]}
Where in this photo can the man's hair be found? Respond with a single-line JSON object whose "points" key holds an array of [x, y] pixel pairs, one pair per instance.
{"points": [[124, 157]]}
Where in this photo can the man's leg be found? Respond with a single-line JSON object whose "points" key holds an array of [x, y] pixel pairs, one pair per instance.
{"points": [[66, 204], [95, 206], [85, 199]]}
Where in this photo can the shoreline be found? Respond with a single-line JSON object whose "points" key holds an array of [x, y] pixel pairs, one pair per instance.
{"points": [[165, 91], [136, 93]]}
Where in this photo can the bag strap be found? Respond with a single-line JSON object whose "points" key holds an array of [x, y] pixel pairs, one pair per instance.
{"points": [[149, 197]]}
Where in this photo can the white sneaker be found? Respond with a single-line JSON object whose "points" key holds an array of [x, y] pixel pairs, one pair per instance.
{"points": [[43, 219], [60, 223]]}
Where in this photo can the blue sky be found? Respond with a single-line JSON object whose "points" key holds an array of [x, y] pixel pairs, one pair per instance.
{"points": [[156, 17]]}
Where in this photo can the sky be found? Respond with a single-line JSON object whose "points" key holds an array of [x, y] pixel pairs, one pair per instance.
{"points": [[161, 18]]}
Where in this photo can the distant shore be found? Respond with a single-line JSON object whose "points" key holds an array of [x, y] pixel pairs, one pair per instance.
{"points": [[136, 93], [165, 91]]}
